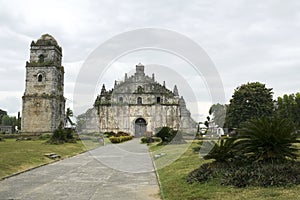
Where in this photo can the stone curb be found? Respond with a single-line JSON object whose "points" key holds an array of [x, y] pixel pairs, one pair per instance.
{"points": [[161, 194]]}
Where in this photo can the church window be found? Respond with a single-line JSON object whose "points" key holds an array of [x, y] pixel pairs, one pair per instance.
{"points": [[40, 78], [121, 99], [139, 100], [158, 100], [41, 58], [140, 89]]}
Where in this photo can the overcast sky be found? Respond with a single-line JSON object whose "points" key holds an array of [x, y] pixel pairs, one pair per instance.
{"points": [[248, 41]]}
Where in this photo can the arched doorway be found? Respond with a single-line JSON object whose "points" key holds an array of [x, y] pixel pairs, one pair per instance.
{"points": [[140, 127]]}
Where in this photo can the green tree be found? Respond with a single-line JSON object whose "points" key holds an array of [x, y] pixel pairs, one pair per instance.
{"points": [[2, 113], [267, 139], [9, 121], [251, 100], [288, 106], [218, 111]]}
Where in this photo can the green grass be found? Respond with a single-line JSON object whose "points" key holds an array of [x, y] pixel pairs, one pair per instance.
{"points": [[175, 187], [17, 156]]}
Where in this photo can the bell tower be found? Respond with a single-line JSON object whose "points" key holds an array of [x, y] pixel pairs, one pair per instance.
{"points": [[43, 108]]}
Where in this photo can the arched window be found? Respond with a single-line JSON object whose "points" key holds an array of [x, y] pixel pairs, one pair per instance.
{"points": [[121, 99], [139, 100], [157, 99], [40, 78], [41, 58]]}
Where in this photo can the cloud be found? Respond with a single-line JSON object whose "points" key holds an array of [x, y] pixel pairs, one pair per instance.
{"points": [[247, 40]]}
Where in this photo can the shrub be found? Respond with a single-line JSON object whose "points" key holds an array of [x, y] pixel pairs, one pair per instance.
{"points": [[263, 174], [109, 134], [167, 135], [262, 154], [10, 136], [146, 140], [201, 174], [257, 174], [150, 139], [268, 139], [61, 136], [120, 139], [221, 151], [121, 133], [197, 148], [44, 136]]}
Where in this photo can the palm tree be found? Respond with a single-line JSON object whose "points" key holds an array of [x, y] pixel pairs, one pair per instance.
{"points": [[268, 139], [69, 114]]}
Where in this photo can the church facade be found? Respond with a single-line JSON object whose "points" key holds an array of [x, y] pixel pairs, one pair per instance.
{"points": [[139, 104], [43, 106]]}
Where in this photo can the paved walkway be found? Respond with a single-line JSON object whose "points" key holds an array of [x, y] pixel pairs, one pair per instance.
{"points": [[114, 172]]}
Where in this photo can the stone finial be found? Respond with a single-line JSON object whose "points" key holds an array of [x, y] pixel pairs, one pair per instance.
{"points": [[103, 90], [175, 91], [126, 77], [153, 78], [164, 83]]}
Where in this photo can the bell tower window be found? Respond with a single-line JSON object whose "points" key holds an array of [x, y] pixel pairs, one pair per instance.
{"points": [[158, 100], [41, 58], [40, 78], [139, 100]]}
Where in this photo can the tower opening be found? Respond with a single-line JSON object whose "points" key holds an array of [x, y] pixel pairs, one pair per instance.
{"points": [[139, 101], [40, 78]]}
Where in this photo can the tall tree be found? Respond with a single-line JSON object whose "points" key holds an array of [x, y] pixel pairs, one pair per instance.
{"points": [[9, 121], [288, 106], [251, 100], [218, 111], [2, 113]]}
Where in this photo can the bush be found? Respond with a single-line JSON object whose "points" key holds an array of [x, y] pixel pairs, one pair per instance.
{"points": [[167, 135], [109, 134], [149, 140], [120, 139], [61, 136], [10, 136], [221, 151], [262, 154], [257, 174], [146, 140], [263, 174], [44, 136], [201, 174], [268, 139], [121, 133], [197, 148]]}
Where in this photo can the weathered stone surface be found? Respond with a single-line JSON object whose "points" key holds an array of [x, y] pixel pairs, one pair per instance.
{"points": [[43, 100], [141, 98]]}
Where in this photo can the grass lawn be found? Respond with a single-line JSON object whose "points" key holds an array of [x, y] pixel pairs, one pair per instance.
{"points": [[174, 186], [17, 156]]}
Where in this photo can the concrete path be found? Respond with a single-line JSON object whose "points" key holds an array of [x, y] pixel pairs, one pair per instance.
{"points": [[114, 172]]}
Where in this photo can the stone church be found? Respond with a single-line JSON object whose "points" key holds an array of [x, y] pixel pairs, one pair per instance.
{"points": [[43, 100], [139, 104]]}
